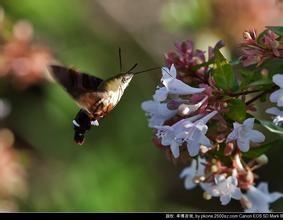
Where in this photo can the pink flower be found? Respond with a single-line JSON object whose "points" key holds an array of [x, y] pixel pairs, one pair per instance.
{"points": [[271, 42], [250, 36], [256, 49], [186, 58]]}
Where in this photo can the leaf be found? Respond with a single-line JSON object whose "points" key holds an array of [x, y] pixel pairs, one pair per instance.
{"points": [[237, 110], [260, 36], [223, 73], [274, 66], [269, 125], [262, 82], [276, 29], [257, 151]]}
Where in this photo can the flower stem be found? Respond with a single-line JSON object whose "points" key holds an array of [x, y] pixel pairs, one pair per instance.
{"points": [[261, 94], [244, 93]]}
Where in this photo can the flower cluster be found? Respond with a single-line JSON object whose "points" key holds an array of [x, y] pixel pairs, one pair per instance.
{"points": [[13, 181], [21, 60], [256, 49], [277, 97], [199, 117]]}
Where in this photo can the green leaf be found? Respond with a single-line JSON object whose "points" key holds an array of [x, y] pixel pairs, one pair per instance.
{"points": [[257, 151], [274, 66], [262, 82], [269, 125], [260, 36], [277, 29], [223, 73], [237, 110]]}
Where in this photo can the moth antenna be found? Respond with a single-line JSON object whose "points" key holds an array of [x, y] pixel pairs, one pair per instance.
{"points": [[147, 70], [120, 60], [134, 66]]}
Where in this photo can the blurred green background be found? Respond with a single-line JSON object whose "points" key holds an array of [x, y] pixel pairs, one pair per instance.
{"points": [[118, 168]]}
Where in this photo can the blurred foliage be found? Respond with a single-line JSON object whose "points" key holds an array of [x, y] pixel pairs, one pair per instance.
{"points": [[117, 169], [178, 15]]}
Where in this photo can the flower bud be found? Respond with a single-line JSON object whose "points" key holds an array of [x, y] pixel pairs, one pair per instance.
{"points": [[6, 138], [229, 148], [245, 202], [203, 149], [196, 180], [23, 30], [246, 179], [214, 168], [262, 160], [220, 139], [184, 110], [206, 196], [264, 72]]}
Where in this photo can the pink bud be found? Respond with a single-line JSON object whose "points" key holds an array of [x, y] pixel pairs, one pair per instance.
{"points": [[229, 148]]}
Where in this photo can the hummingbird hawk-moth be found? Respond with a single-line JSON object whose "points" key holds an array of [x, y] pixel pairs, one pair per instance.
{"points": [[95, 96]]}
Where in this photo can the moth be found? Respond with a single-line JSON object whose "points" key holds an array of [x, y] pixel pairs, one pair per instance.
{"points": [[95, 96]]}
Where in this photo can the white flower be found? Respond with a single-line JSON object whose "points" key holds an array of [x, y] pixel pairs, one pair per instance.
{"points": [[186, 109], [196, 169], [173, 85], [186, 130], [278, 119], [225, 188], [274, 111], [168, 135], [158, 112], [260, 198], [244, 133], [277, 96]]}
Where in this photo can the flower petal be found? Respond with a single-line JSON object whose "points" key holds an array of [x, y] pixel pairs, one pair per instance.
{"points": [[189, 184], [175, 149], [243, 144], [256, 136], [160, 94], [232, 136], [236, 194], [173, 71], [178, 87], [149, 106], [158, 112], [205, 141], [263, 187], [193, 147], [274, 96], [225, 199], [189, 171], [274, 111], [219, 178], [249, 123], [275, 196], [278, 80], [280, 99], [166, 74]]}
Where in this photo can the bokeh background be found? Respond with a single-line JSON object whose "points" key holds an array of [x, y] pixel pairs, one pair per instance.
{"points": [[118, 168]]}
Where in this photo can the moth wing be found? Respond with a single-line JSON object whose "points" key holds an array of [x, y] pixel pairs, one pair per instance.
{"points": [[74, 82]]}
